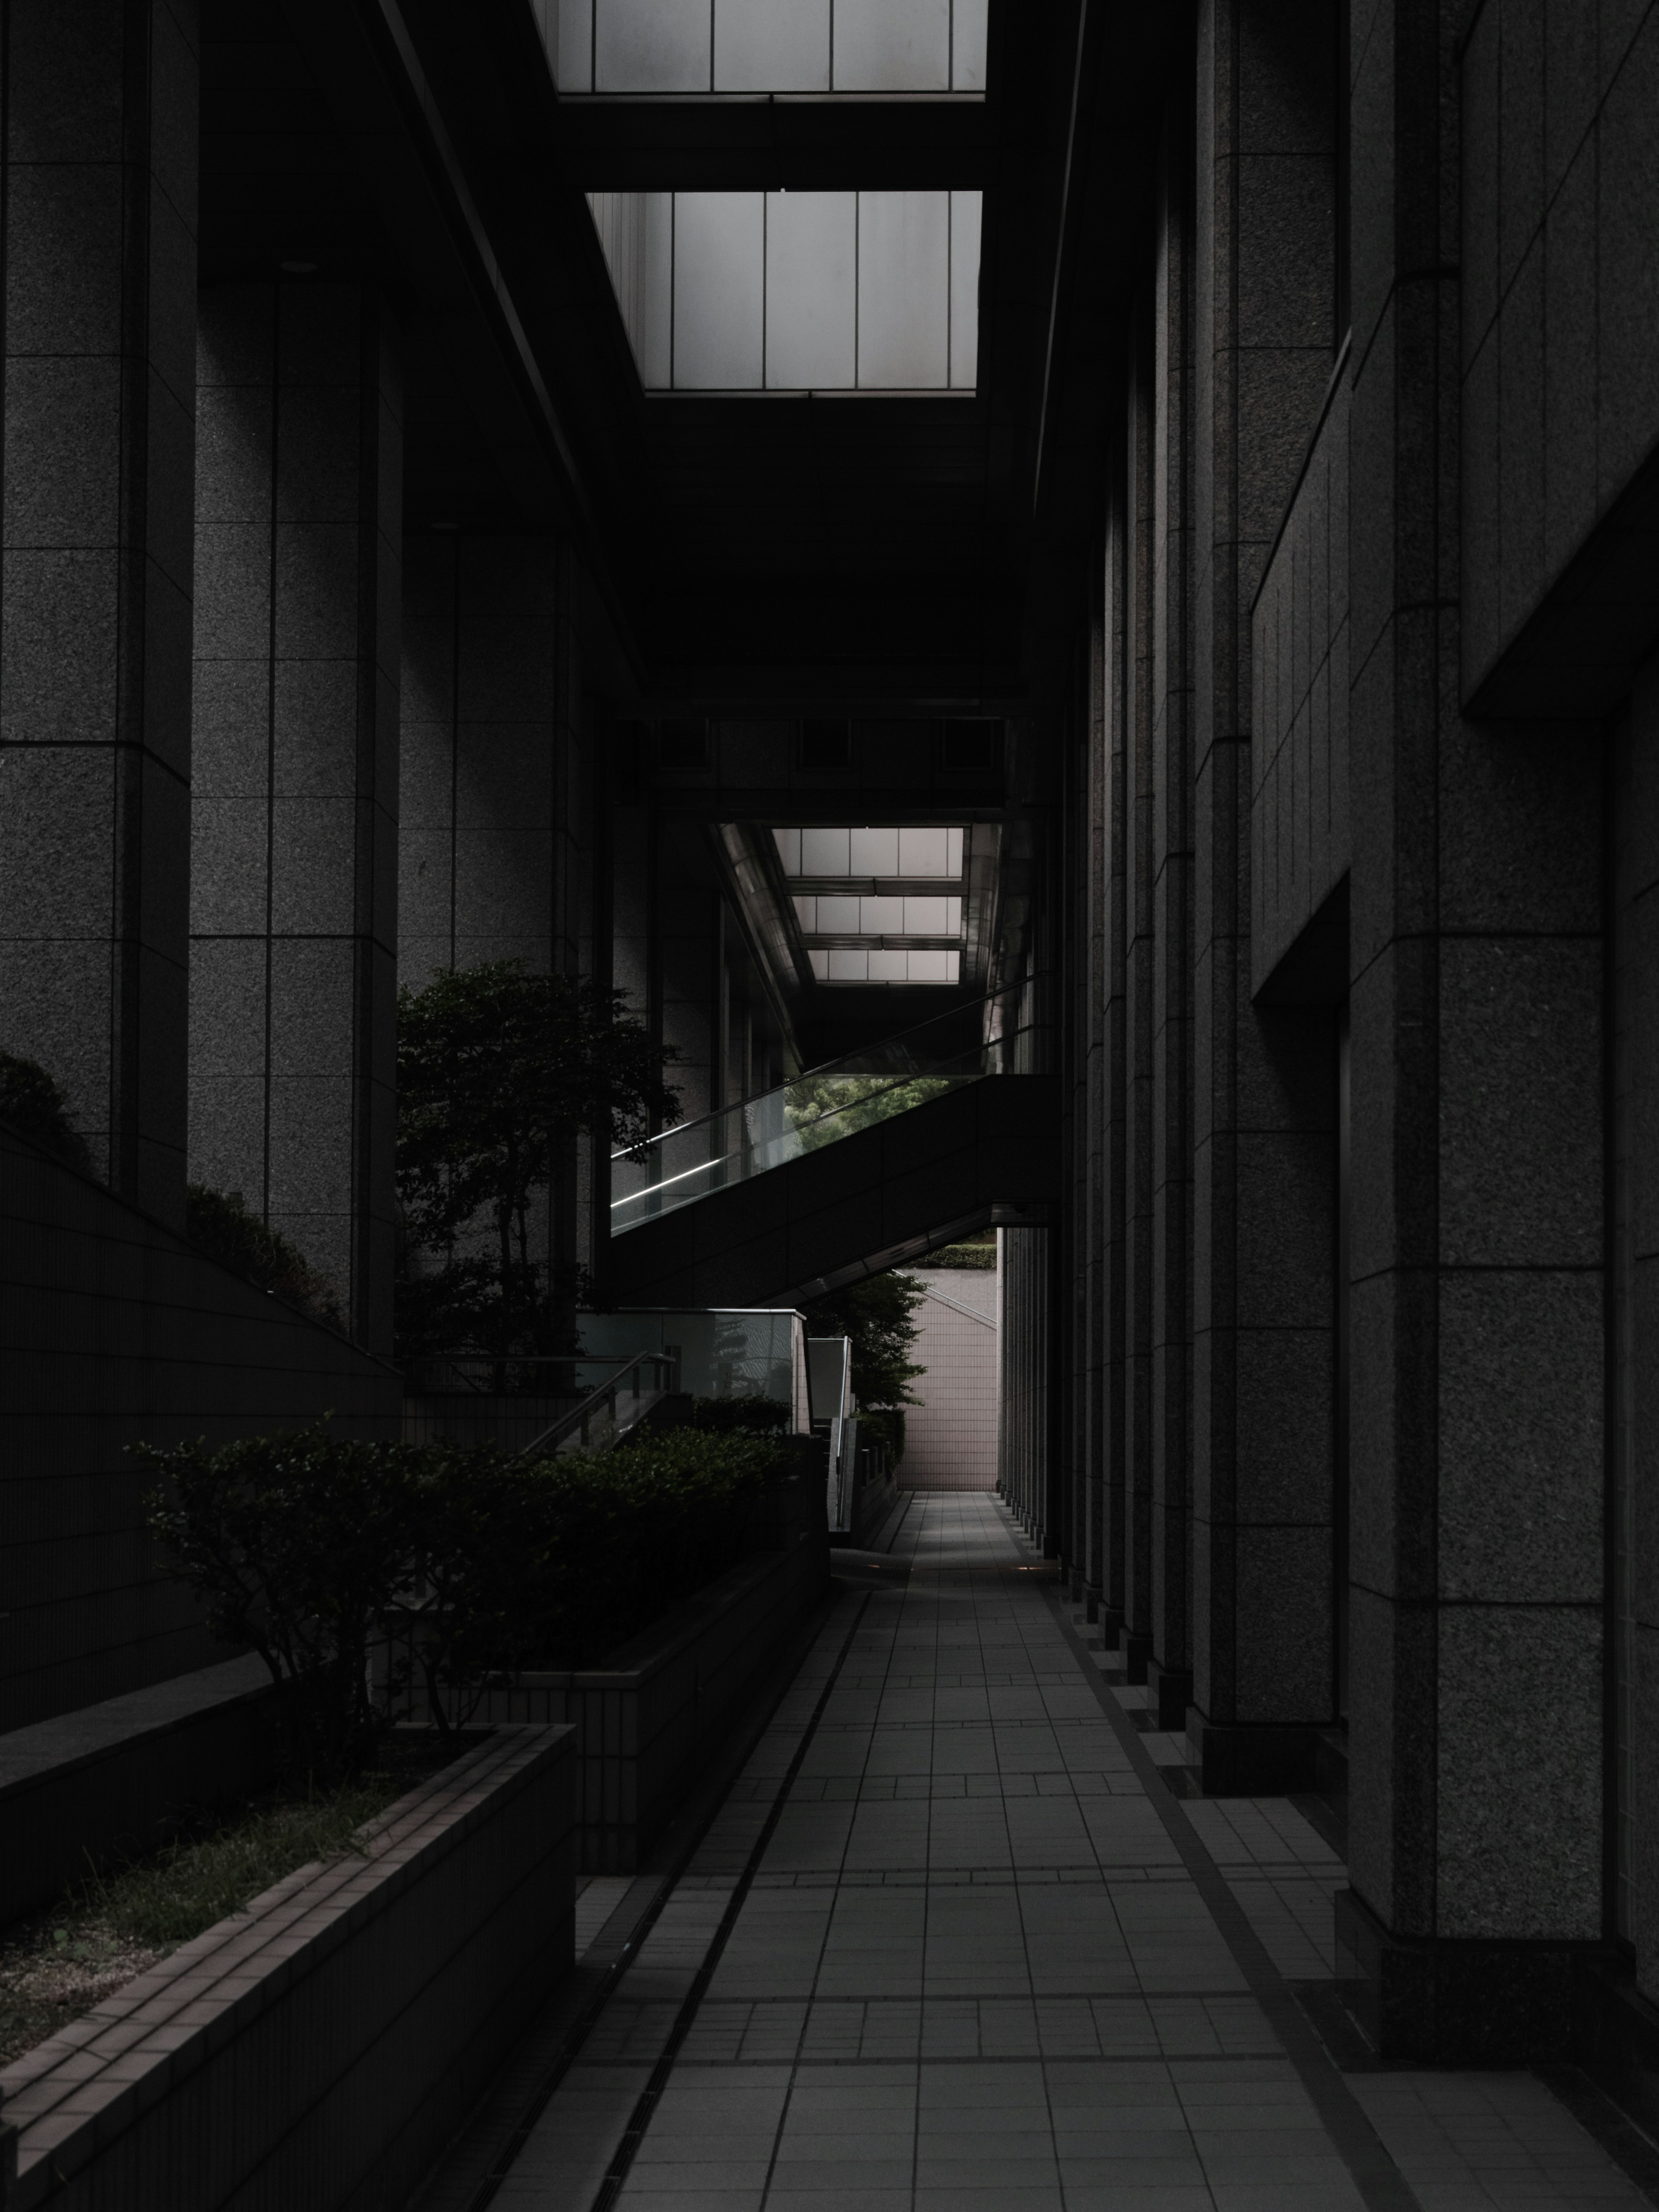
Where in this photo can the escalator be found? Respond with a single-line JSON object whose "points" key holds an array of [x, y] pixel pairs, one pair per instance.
{"points": [[848, 1168]]}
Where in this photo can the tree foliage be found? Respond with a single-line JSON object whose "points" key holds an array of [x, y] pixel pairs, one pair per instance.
{"points": [[219, 1223], [36, 1107], [497, 1072], [824, 1108], [879, 1315]]}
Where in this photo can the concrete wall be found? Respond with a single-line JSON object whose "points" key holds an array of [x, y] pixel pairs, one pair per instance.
{"points": [[951, 1437]]}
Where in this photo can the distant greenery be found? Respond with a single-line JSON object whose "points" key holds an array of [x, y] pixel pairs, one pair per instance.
{"points": [[36, 1107], [824, 1108], [972, 1252], [879, 1315], [219, 1223], [498, 1071]]}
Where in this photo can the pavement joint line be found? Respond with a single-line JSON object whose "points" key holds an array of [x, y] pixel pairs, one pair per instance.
{"points": [[1375, 2174], [640, 2119], [632, 1920]]}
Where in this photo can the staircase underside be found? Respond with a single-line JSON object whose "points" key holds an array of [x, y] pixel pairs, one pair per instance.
{"points": [[988, 1151]]}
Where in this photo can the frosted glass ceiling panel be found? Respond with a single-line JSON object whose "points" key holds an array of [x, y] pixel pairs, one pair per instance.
{"points": [[966, 210], [823, 853], [968, 23], [904, 280], [719, 291], [765, 45], [796, 291], [926, 852], [772, 46], [892, 45], [651, 45], [875, 852], [636, 230], [811, 295]]}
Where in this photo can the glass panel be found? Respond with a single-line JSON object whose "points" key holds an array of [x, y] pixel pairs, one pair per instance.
{"points": [[903, 289], [811, 304], [824, 852], [636, 233], [841, 914], [924, 853], [953, 851], [889, 967], [968, 27], [966, 212], [820, 960], [882, 917], [771, 46], [720, 259], [652, 46], [892, 45], [730, 1352], [1002, 1035], [875, 852], [788, 845], [848, 967], [806, 912], [566, 29]]}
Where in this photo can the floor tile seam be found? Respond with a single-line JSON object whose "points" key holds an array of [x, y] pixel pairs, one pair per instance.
{"points": [[1374, 2172]]}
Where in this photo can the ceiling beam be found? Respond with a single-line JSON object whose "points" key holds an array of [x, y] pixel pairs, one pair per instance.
{"points": [[776, 142]]}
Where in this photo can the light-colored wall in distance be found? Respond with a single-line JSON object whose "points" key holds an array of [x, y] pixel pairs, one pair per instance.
{"points": [[950, 1438]]}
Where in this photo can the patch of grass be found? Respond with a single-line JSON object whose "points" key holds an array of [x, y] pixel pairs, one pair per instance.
{"points": [[110, 1929], [185, 1888]]}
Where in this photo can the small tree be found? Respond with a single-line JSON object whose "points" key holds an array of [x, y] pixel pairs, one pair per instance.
{"points": [[497, 1072], [300, 1544], [879, 1315]]}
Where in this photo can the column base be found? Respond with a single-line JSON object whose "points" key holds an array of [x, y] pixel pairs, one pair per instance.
{"points": [[1460, 2000], [1091, 1607], [1616, 2036], [1244, 1761], [1171, 1689], [1137, 1650]]}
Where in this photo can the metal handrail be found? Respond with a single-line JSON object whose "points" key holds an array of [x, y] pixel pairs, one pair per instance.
{"points": [[580, 1416]]}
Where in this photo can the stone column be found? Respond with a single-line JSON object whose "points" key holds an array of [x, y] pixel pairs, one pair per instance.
{"points": [[1139, 1014], [1170, 1658], [495, 833], [1094, 1230], [293, 911], [1479, 1351], [1263, 1350], [101, 145], [1119, 610]]}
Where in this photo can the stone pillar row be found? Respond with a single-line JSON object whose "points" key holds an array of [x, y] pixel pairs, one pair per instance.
{"points": [[209, 689], [1207, 1519]]}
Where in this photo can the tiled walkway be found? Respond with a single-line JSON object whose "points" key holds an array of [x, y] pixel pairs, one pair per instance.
{"points": [[949, 1944]]}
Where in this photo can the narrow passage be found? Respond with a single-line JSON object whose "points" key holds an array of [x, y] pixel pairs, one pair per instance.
{"points": [[976, 1958]]}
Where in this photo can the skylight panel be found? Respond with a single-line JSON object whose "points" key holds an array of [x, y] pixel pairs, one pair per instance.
{"points": [[832, 291], [862, 48]]}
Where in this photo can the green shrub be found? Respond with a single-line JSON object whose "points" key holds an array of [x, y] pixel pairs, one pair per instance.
{"points": [[300, 1544], [319, 1551], [629, 1532], [219, 1223], [754, 1417], [36, 1107]]}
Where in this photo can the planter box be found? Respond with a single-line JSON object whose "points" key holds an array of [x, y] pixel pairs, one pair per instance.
{"points": [[320, 2048], [648, 1720]]}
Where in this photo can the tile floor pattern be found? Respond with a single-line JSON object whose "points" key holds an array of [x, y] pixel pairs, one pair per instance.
{"points": [[973, 1972]]}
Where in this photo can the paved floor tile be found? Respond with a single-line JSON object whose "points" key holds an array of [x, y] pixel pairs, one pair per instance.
{"points": [[974, 1971]]}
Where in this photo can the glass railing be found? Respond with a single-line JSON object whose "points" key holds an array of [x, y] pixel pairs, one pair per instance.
{"points": [[1001, 1035]]}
